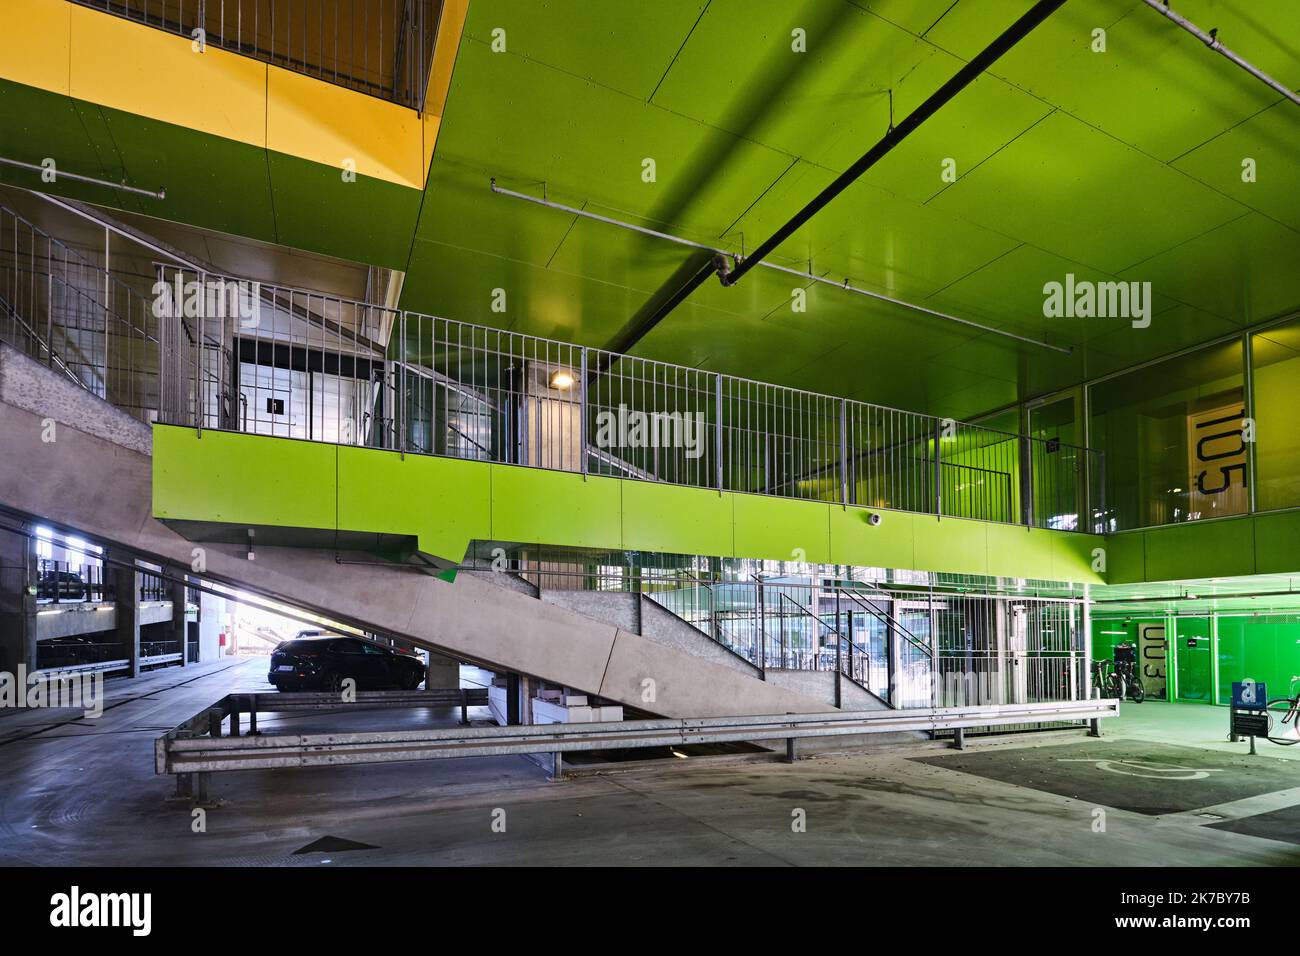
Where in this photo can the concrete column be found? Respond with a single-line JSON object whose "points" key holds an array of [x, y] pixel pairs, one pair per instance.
{"points": [[18, 577], [176, 631], [126, 591], [443, 672], [514, 697]]}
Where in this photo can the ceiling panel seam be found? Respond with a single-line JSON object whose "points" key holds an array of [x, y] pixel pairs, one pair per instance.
{"points": [[681, 46]]}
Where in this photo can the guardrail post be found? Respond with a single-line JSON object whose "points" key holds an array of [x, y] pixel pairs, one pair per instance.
{"points": [[844, 451], [464, 707], [1026, 481], [582, 411], [791, 751], [203, 785], [717, 428], [214, 722], [557, 766], [252, 716], [184, 784], [959, 738], [936, 474]]}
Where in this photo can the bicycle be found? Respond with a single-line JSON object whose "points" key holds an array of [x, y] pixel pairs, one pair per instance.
{"points": [[1118, 680]]}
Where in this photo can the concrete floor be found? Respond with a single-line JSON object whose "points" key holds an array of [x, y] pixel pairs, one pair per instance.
{"points": [[81, 792]]}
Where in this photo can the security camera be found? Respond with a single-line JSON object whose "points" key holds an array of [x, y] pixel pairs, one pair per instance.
{"points": [[874, 520]]}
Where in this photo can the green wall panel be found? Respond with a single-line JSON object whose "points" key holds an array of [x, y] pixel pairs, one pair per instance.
{"points": [[1125, 557], [677, 520], [445, 501], [953, 544], [1199, 550], [890, 544], [1012, 548], [251, 480], [1228, 547], [211, 182], [782, 530], [367, 220], [243, 479], [536, 506], [1277, 542], [1262, 648]]}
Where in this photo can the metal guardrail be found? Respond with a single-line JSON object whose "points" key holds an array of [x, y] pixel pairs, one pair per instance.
{"points": [[303, 365], [187, 750], [219, 352], [380, 47]]}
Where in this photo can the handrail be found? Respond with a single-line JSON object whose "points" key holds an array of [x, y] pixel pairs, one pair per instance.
{"points": [[888, 620], [863, 653], [742, 435]]}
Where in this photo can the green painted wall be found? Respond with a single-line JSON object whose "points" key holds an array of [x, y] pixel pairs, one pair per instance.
{"points": [[1225, 547], [446, 502], [1264, 648]]}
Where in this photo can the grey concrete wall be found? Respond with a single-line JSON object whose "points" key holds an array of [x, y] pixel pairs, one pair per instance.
{"points": [[661, 625], [26, 384], [74, 619], [103, 488], [618, 608], [821, 686]]}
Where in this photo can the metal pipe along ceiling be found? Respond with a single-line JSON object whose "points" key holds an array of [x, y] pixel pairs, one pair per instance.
{"points": [[959, 81], [1211, 40], [845, 285], [731, 268]]}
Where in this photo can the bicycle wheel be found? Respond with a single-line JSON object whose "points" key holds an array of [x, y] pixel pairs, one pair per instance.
{"points": [[1136, 692], [1283, 721]]}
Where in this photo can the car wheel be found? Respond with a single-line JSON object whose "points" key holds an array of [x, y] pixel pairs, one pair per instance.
{"points": [[334, 682], [412, 681]]}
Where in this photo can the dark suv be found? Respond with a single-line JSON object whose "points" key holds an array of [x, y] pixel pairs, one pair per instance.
{"points": [[323, 663]]}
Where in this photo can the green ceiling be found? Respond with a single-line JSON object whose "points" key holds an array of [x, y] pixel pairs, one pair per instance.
{"points": [[1124, 164]]}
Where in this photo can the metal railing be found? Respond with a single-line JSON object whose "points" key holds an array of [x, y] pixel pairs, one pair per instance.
{"points": [[197, 747], [210, 351], [443, 387], [64, 582], [81, 652], [77, 317], [910, 646], [380, 47]]}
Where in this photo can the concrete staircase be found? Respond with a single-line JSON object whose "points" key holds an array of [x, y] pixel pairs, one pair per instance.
{"points": [[75, 462]]}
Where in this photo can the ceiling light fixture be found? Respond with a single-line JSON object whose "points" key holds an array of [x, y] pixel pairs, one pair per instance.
{"points": [[562, 379]]}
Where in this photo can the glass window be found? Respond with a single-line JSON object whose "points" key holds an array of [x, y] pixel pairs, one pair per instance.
{"points": [[1056, 464], [1275, 360], [1172, 434]]}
